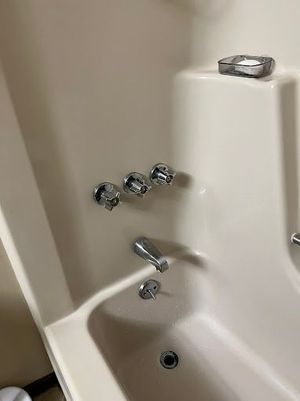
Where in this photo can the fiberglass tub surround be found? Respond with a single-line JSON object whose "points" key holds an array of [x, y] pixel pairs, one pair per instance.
{"points": [[91, 93], [227, 291]]}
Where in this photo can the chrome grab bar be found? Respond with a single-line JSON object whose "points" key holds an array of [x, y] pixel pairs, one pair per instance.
{"points": [[295, 238]]}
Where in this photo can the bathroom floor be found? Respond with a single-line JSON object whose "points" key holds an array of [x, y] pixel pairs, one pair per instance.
{"points": [[46, 388], [53, 394]]}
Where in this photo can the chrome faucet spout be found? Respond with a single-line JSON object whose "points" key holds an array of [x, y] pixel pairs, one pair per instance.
{"points": [[144, 248]]}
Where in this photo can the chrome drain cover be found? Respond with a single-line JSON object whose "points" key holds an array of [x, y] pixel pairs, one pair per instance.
{"points": [[148, 289], [169, 359]]}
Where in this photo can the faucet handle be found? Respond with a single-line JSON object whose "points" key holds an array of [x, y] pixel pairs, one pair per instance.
{"points": [[295, 238], [137, 184], [107, 195], [162, 174]]}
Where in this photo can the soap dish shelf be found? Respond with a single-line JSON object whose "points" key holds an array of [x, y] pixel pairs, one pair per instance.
{"points": [[246, 66]]}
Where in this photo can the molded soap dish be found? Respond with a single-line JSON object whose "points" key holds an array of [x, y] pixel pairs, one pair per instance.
{"points": [[246, 66]]}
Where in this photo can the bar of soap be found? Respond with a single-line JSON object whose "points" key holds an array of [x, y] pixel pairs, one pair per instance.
{"points": [[248, 62]]}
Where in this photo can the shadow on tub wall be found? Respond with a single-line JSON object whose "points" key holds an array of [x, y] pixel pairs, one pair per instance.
{"points": [[23, 358]]}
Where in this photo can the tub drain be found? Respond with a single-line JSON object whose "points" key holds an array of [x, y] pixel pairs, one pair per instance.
{"points": [[169, 360]]}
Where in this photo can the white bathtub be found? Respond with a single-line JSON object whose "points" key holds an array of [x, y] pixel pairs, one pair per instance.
{"points": [[110, 348], [230, 311]]}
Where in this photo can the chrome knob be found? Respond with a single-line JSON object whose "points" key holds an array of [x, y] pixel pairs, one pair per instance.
{"points": [[295, 239], [107, 195], [137, 184], [162, 174]]}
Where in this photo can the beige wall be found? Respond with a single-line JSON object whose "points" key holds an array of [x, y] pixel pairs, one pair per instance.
{"points": [[22, 355]]}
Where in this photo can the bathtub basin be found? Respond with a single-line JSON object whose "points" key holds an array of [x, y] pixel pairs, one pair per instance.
{"points": [[109, 349]]}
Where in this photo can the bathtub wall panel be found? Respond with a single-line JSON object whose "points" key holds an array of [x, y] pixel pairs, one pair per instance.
{"points": [[24, 227], [240, 137], [91, 83], [91, 86]]}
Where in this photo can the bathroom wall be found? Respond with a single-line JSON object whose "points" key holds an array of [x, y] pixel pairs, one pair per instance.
{"points": [[22, 354], [226, 27]]}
